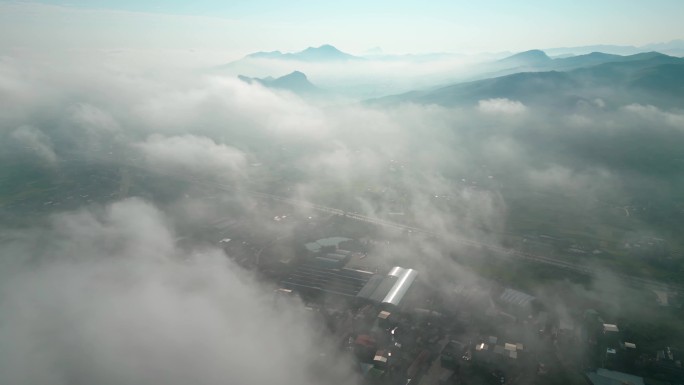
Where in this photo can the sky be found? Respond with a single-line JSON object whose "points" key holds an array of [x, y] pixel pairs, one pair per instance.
{"points": [[235, 28]]}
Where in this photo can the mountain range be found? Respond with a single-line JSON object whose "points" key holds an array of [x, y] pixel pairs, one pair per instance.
{"points": [[323, 53], [672, 48], [537, 61], [532, 77], [328, 52], [645, 78]]}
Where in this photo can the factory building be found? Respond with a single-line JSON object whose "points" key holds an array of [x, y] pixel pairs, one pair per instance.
{"points": [[388, 290], [317, 278]]}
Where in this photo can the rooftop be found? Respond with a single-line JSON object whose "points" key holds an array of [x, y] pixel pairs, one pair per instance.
{"points": [[316, 246], [515, 297], [391, 288], [316, 277], [610, 328], [611, 377]]}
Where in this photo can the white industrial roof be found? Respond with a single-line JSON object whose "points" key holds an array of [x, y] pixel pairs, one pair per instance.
{"points": [[404, 281], [391, 288], [516, 297], [610, 328]]}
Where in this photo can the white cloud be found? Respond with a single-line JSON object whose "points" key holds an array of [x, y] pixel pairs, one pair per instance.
{"points": [[444, 168], [655, 114], [110, 300], [35, 141], [190, 153], [501, 106], [589, 183], [93, 119]]}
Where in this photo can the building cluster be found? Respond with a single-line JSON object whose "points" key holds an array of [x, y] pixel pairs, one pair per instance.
{"points": [[325, 273], [620, 360], [400, 330], [379, 326]]}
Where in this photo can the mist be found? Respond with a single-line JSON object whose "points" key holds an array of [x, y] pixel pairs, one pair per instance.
{"points": [[106, 292], [103, 296]]}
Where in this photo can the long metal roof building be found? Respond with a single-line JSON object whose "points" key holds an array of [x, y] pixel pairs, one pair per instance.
{"points": [[321, 278], [515, 297], [318, 276], [391, 288]]}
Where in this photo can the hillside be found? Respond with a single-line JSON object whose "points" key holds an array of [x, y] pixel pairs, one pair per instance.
{"points": [[650, 77]]}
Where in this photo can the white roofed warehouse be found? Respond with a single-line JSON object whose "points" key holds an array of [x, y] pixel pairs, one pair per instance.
{"points": [[389, 290]]}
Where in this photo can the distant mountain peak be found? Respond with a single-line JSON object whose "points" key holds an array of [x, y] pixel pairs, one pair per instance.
{"points": [[650, 54], [266, 54], [598, 54], [295, 74], [531, 56], [325, 52], [324, 47], [295, 81]]}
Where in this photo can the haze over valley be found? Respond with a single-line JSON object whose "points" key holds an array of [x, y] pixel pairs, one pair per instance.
{"points": [[299, 212]]}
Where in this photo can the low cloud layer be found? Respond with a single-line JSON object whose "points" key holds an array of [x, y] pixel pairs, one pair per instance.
{"points": [[192, 154], [214, 125], [108, 299], [501, 106], [35, 141], [103, 295]]}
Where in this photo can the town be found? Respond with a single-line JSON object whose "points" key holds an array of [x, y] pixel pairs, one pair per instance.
{"points": [[402, 328]]}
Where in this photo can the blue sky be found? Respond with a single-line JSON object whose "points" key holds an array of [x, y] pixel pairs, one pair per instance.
{"points": [[241, 26]]}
